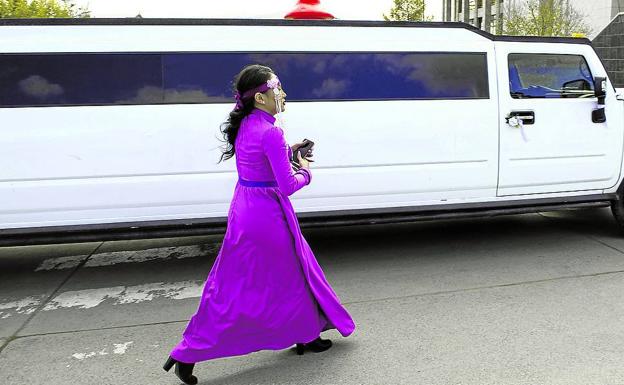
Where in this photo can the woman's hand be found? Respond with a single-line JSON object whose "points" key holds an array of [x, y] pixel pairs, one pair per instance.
{"points": [[308, 156], [303, 161], [295, 146]]}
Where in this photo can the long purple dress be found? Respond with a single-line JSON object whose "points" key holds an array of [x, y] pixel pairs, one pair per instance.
{"points": [[265, 290]]}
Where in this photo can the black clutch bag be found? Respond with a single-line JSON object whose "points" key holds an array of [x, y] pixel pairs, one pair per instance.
{"points": [[303, 150]]}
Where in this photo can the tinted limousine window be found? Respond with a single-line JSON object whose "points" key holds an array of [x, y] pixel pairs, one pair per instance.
{"points": [[103, 79], [549, 76], [79, 79]]}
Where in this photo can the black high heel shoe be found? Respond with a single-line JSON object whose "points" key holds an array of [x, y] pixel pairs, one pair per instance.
{"points": [[316, 346], [182, 370]]}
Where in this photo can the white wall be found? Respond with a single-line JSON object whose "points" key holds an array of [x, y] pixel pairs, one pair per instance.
{"points": [[597, 14], [434, 8]]}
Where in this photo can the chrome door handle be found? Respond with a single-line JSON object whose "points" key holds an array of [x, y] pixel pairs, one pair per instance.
{"points": [[527, 117]]}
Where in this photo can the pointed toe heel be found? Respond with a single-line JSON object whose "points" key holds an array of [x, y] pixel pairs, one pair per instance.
{"points": [[316, 346], [191, 380], [182, 370], [319, 345]]}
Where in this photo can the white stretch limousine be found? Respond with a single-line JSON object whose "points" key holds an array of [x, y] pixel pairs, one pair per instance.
{"points": [[110, 127]]}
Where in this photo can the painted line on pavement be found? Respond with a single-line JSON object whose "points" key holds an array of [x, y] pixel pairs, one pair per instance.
{"points": [[122, 295], [138, 256], [117, 349], [23, 306], [117, 295]]}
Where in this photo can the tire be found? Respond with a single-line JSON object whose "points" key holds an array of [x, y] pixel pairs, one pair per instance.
{"points": [[617, 208]]}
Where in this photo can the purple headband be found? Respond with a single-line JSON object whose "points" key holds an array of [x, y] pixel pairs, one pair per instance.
{"points": [[272, 83]]}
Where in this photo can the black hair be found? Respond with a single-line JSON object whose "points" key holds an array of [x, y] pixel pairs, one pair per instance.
{"points": [[249, 78]]}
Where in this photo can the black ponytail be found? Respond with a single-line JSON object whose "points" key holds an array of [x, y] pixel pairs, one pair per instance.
{"points": [[249, 78]]}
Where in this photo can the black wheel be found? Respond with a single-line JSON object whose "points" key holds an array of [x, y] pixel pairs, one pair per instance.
{"points": [[617, 208]]}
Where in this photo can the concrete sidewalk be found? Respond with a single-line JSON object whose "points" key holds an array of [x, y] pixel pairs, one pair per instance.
{"points": [[531, 299]]}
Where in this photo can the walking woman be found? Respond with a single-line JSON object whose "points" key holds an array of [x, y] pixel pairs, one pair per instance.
{"points": [[265, 290]]}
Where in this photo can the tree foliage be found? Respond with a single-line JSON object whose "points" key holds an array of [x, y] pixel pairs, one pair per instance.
{"points": [[407, 10], [40, 9], [543, 18]]}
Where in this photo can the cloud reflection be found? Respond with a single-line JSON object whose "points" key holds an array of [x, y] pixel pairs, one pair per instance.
{"points": [[39, 87]]}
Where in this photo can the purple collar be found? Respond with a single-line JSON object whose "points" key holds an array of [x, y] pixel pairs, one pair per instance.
{"points": [[265, 115]]}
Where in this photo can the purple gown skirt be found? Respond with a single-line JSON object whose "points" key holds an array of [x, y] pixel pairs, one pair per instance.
{"points": [[265, 290]]}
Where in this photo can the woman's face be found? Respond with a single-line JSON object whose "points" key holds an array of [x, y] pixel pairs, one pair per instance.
{"points": [[281, 100], [267, 101]]}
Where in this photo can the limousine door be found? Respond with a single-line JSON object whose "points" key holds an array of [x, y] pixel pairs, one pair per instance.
{"points": [[549, 142]]}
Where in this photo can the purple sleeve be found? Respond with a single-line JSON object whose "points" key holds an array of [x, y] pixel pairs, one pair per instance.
{"points": [[276, 150]]}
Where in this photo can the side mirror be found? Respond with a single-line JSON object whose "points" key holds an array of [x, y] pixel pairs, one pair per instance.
{"points": [[600, 89]]}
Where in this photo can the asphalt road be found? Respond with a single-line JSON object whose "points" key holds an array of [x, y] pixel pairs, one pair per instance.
{"points": [[528, 299]]}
